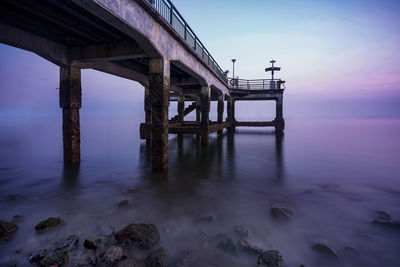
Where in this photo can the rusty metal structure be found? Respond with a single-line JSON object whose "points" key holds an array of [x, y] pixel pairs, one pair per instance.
{"points": [[147, 41]]}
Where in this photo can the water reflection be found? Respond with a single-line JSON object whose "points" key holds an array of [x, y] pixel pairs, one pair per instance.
{"points": [[70, 175], [189, 158]]}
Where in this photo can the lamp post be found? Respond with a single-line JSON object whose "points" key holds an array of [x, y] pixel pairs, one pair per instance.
{"points": [[233, 69]]}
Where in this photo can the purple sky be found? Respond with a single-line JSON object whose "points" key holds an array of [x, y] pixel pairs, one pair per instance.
{"points": [[339, 58]]}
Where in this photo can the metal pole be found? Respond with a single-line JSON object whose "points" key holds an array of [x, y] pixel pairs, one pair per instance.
{"points": [[233, 71]]}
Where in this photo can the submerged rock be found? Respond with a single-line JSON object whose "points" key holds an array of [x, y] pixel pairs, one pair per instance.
{"points": [[270, 258], [227, 246], [130, 263], [142, 235], [124, 203], [58, 258], [383, 215], [70, 243], [38, 256], [206, 219], [49, 224], [245, 246], [185, 260], [280, 212], [7, 229], [388, 223], [113, 255], [91, 242], [242, 232], [156, 258], [385, 219], [17, 219], [325, 250]]}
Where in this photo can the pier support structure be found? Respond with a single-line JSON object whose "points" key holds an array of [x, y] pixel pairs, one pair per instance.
{"points": [[220, 110], [71, 102], [159, 86], [279, 121], [181, 108], [205, 111], [147, 110]]}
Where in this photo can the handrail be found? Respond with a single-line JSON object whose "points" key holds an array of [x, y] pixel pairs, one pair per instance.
{"points": [[256, 84], [169, 12]]}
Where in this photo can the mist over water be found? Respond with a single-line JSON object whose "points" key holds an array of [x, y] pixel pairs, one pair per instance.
{"points": [[334, 173]]}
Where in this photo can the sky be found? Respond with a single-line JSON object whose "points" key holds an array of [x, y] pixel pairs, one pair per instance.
{"points": [[338, 58]]}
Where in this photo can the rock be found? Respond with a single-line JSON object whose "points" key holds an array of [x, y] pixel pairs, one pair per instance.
{"points": [[69, 243], [130, 263], [283, 213], [206, 219], [185, 260], [91, 243], [7, 229], [156, 258], [12, 197], [124, 204], [142, 235], [350, 251], [58, 258], [387, 223], [325, 250], [38, 256], [384, 219], [17, 219], [49, 224], [270, 258], [92, 260], [382, 215], [242, 232], [227, 246], [113, 255], [245, 246]]}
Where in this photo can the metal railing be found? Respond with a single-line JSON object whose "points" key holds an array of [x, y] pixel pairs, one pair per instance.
{"points": [[168, 11], [258, 84]]}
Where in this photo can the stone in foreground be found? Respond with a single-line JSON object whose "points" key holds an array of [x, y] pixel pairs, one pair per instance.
{"points": [[142, 235], [91, 243], [247, 247], [113, 255], [58, 258], [156, 258], [325, 250], [227, 246], [49, 224], [282, 213], [7, 229], [270, 258]]}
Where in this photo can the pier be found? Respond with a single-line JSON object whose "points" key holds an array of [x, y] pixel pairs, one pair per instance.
{"points": [[147, 41]]}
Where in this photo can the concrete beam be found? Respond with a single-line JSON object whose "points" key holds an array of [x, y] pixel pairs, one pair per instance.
{"points": [[255, 123], [107, 51], [115, 69], [50, 50]]}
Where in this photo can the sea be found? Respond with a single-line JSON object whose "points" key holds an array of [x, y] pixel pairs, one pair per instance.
{"points": [[335, 175]]}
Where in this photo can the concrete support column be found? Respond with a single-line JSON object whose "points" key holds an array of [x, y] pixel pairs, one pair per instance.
{"points": [[198, 111], [205, 111], [220, 110], [147, 105], [230, 113], [147, 110], [181, 108], [159, 85], [279, 121], [71, 102]]}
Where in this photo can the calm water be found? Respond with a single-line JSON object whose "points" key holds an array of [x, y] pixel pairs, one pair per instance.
{"points": [[335, 174]]}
